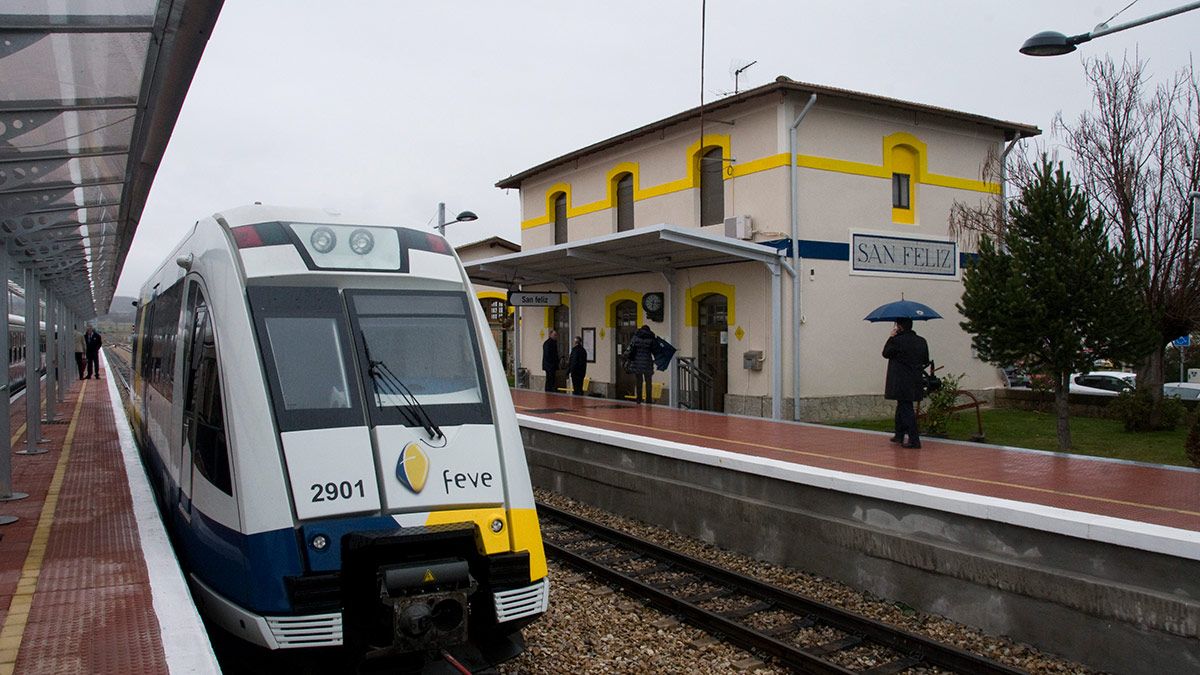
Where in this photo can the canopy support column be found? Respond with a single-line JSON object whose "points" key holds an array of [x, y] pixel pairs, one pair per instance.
{"points": [[52, 364], [673, 335], [776, 342], [517, 344], [6, 491], [33, 349]]}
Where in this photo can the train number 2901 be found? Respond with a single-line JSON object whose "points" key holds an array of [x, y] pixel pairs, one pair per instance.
{"points": [[328, 492]]}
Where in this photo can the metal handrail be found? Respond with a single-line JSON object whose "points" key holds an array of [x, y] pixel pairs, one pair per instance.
{"points": [[696, 386]]}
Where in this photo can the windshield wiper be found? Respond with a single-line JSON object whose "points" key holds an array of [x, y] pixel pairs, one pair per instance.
{"points": [[382, 377]]}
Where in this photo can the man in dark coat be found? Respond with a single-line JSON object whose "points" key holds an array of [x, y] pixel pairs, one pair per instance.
{"points": [[550, 360], [641, 360], [577, 366], [92, 343], [907, 354]]}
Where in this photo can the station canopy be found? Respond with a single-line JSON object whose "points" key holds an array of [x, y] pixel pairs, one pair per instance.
{"points": [[659, 248], [91, 92]]}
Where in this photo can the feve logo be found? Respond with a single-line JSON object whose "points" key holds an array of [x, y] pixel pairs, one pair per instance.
{"points": [[413, 468]]}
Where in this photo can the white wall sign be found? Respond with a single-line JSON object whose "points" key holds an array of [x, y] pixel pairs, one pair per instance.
{"points": [[902, 255], [519, 299]]}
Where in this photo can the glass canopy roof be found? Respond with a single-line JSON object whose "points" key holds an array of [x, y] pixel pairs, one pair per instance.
{"points": [[88, 85]]}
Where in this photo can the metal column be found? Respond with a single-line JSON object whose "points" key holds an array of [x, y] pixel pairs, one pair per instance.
{"points": [[776, 342], [64, 341], [6, 491], [52, 363], [517, 345], [669, 312], [33, 399]]}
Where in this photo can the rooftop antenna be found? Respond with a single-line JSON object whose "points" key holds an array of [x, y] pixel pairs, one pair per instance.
{"points": [[736, 71]]}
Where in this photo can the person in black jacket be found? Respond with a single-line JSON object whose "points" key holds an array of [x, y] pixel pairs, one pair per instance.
{"points": [[550, 360], [641, 359], [577, 366], [907, 354], [92, 343]]}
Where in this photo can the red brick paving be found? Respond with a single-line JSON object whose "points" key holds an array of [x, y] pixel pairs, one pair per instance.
{"points": [[1149, 494], [92, 610]]}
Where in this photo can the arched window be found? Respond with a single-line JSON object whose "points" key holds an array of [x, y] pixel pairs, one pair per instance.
{"points": [[712, 188], [560, 218], [904, 179], [625, 202]]}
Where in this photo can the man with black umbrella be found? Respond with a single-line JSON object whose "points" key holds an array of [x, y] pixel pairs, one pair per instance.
{"points": [[907, 353]]}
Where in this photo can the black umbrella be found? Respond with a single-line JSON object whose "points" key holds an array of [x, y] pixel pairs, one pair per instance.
{"points": [[902, 309]]}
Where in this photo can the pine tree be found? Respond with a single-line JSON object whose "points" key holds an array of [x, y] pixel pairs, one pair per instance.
{"points": [[1060, 296]]}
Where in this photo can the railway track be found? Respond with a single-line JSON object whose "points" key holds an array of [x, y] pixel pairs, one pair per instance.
{"points": [[799, 632]]}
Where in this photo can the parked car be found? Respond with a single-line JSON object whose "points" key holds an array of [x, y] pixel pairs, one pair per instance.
{"points": [[1102, 383], [1186, 391], [1015, 377]]}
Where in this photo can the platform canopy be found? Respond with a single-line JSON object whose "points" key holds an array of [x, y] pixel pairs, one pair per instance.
{"points": [[89, 94], [659, 248]]}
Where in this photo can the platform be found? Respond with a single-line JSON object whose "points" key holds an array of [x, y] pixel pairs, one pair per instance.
{"points": [[1091, 558], [88, 582]]}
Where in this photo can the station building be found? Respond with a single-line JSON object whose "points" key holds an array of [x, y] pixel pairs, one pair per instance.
{"points": [[754, 233]]}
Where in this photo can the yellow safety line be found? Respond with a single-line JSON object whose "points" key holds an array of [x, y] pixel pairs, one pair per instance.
{"points": [[22, 600], [892, 467]]}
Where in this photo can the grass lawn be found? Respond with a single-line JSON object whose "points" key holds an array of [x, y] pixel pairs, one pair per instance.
{"points": [[1091, 436]]}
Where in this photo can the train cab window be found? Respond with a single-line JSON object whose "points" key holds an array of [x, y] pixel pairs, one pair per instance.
{"points": [[304, 344], [203, 410], [422, 346]]}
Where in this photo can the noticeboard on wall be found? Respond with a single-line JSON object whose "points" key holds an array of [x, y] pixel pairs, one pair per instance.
{"points": [[589, 343]]}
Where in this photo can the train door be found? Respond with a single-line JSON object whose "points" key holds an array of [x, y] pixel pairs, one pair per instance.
{"points": [[625, 323], [562, 324], [205, 476], [713, 347]]}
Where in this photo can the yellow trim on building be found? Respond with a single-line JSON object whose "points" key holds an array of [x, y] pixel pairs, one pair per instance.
{"points": [[493, 295], [617, 296], [691, 179], [697, 292], [907, 160], [564, 300]]}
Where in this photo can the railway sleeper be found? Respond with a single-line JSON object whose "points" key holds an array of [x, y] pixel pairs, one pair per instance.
{"points": [[836, 645], [710, 595], [897, 666], [797, 625], [739, 613]]}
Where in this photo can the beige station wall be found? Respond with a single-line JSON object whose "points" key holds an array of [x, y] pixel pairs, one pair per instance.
{"points": [[845, 187]]}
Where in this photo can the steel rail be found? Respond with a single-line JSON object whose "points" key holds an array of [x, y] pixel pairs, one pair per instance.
{"points": [[912, 649]]}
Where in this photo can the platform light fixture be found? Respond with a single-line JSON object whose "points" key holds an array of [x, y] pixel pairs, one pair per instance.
{"points": [[464, 217], [1053, 43]]}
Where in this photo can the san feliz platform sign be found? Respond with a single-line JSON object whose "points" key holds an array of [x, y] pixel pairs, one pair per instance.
{"points": [[902, 255], [520, 299]]}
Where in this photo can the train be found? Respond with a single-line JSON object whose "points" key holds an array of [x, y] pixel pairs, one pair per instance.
{"points": [[332, 441]]}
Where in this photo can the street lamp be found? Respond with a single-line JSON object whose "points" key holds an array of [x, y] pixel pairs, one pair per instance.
{"points": [[1053, 43], [464, 217]]}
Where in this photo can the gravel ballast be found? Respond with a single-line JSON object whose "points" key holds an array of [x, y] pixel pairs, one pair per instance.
{"points": [[591, 628]]}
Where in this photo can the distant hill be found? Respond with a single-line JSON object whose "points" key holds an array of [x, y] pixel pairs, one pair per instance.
{"points": [[120, 311]]}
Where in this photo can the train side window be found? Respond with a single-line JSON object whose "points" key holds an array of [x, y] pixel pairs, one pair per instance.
{"points": [[203, 412]]}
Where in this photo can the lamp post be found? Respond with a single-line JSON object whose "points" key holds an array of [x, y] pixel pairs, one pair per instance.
{"points": [[464, 217], [1053, 43]]}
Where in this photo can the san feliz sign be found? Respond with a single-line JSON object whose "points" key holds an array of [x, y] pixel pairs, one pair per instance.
{"points": [[519, 299], [902, 255]]}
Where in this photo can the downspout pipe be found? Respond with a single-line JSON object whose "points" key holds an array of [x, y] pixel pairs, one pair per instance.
{"points": [[794, 181]]}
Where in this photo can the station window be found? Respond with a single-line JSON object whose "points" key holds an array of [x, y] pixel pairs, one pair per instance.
{"points": [[560, 218], [625, 202], [900, 188], [712, 188]]}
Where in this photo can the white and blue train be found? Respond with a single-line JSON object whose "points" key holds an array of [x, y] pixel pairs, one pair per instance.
{"points": [[332, 440]]}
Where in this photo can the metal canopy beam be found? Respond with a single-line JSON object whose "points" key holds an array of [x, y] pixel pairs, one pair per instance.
{"points": [[620, 262], [74, 23], [58, 106]]}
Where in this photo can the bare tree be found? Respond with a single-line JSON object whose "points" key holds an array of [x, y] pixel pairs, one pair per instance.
{"points": [[1137, 155]]}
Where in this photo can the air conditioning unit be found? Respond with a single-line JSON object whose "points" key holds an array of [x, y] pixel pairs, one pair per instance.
{"points": [[739, 227]]}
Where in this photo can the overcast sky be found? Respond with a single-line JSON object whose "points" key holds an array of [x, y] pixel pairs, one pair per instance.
{"points": [[384, 108]]}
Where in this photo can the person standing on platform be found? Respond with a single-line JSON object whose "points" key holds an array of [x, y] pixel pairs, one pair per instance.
{"points": [[550, 360], [80, 348], [92, 343], [907, 354], [577, 366], [641, 360]]}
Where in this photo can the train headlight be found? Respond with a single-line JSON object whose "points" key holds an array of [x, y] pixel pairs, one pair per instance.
{"points": [[497, 525], [361, 241], [319, 542], [323, 239]]}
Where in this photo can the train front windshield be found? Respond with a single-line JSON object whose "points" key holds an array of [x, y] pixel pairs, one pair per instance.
{"points": [[419, 349]]}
